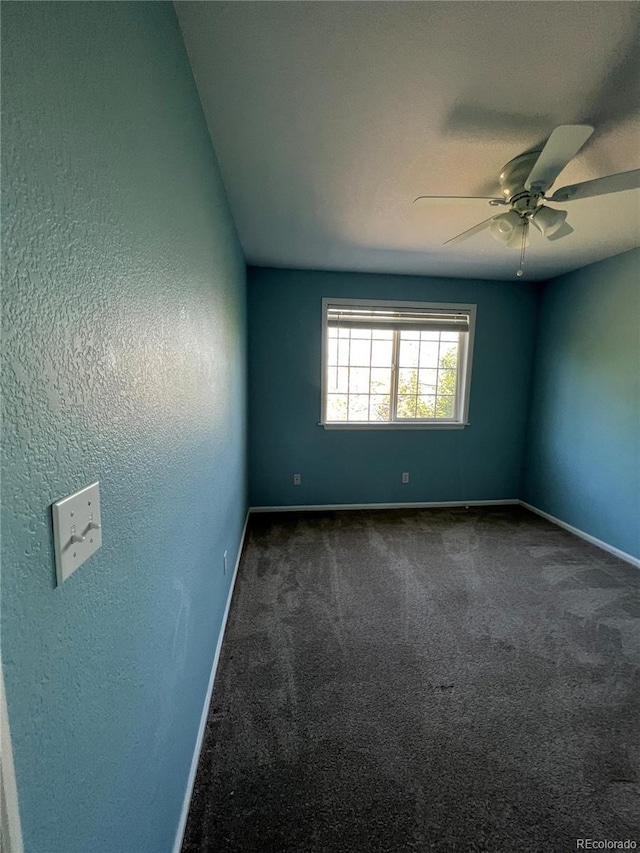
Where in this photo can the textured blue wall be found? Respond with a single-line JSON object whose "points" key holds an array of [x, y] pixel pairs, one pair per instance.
{"points": [[481, 462], [124, 291], [583, 461]]}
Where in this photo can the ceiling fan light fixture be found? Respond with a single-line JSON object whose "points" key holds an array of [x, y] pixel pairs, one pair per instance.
{"points": [[505, 226], [515, 241], [548, 220]]}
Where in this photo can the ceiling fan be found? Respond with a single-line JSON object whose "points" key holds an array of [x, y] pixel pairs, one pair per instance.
{"points": [[524, 182]]}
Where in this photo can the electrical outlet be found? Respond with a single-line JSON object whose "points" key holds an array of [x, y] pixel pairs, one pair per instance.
{"points": [[224, 562], [405, 476], [297, 479]]}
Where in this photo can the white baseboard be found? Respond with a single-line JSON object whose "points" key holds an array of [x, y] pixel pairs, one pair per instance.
{"points": [[182, 825], [622, 555], [427, 505]]}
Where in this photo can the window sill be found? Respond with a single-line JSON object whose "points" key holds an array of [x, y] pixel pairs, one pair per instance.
{"points": [[395, 425]]}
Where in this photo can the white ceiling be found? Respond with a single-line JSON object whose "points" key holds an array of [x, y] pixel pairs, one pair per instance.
{"points": [[329, 118]]}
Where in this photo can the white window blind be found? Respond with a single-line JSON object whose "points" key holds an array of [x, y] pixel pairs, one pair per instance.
{"points": [[402, 319]]}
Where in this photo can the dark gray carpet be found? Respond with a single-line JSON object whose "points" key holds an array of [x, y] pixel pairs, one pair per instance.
{"points": [[423, 680]]}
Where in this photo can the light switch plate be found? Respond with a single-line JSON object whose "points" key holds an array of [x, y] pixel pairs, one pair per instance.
{"points": [[77, 529]]}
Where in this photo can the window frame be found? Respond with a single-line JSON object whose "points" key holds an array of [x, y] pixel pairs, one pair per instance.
{"points": [[463, 384]]}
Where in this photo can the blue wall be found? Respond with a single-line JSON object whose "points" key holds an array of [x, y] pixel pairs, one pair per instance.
{"points": [[124, 291], [481, 462], [583, 461]]}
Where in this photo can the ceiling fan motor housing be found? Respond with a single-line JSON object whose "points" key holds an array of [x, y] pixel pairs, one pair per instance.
{"points": [[515, 173], [527, 204]]}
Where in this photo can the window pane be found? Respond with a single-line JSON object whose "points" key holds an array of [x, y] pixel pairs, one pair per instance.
{"points": [[360, 353], [359, 380], [361, 334], [382, 353], [408, 351], [382, 335], [406, 407], [410, 336], [332, 351], [429, 354], [407, 381], [446, 382], [445, 407], [343, 351], [343, 333], [380, 380], [336, 407], [338, 379], [449, 336], [427, 380], [430, 336], [448, 355], [426, 406], [380, 407], [358, 407]]}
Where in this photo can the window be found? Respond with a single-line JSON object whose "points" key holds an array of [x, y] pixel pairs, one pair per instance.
{"points": [[396, 364]]}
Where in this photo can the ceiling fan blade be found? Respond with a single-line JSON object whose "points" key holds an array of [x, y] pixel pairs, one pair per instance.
{"points": [[489, 198], [564, 231], [599, 186], [561, 147], [459, 238]]}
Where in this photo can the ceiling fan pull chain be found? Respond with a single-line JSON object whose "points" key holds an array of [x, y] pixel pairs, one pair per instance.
{"points": [[525, 228]]}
